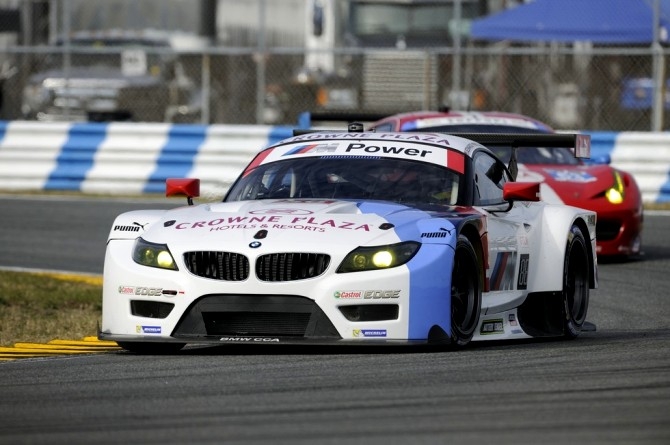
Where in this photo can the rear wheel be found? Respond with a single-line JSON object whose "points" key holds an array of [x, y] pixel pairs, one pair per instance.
{"points": [[466, 293], [150, 347], [576, 273]]}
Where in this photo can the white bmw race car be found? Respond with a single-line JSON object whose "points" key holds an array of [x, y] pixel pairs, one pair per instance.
{"points": [[355, 237]]}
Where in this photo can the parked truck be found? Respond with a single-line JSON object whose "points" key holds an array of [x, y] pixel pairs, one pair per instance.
{"points": [[112, 76], [374, 55]]}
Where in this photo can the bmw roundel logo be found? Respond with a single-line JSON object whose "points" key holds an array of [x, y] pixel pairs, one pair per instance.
{"points": [[255, 244]]}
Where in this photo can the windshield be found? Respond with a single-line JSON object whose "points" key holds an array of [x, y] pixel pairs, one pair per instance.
{"points": [[387, 179], [525, 155], [422, 22], [130, 56]]}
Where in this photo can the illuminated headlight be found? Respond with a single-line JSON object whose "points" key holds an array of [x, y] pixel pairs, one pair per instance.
{"points": [[615, 193], [153, 255], [378, 257]]}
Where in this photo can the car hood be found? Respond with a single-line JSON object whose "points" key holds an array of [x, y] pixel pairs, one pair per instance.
{"points": [[312, 225], [570, 184]]}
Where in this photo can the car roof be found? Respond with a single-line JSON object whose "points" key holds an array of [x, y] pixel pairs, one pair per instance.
{"points": [[417, 120], [448, 150], [436, 148]]}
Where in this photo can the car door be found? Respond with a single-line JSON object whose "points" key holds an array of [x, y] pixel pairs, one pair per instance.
{"points": [[508, 235]]}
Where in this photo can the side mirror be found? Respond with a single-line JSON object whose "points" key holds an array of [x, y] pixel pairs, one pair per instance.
{"points": [[521, 191], [188, 187]]}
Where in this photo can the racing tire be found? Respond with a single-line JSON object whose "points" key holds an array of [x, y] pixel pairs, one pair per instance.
{"points": [[466, 293], [149, 348], [576, 271]]}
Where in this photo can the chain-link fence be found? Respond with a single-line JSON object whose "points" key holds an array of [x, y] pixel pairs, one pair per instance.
{"points": [[121, 75]]}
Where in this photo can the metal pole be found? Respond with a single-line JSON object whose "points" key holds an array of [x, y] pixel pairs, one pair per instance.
{"points": [[206, 88], [456, 66], [658, 104], [67, 55], [260, 65]]}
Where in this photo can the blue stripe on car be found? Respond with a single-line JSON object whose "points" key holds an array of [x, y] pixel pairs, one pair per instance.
{"points": [[429, 270], [76, 156]]}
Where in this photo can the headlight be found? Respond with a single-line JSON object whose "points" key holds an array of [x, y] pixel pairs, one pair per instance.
{"points": [[378, 257], [615, 193], [153, 255]]}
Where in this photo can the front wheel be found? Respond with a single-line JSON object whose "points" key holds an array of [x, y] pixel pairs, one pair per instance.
{"points": [[576, 271], [150, 347], [466, 293]]}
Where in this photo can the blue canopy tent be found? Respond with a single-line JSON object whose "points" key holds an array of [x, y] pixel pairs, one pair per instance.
{"points": [[600, 22], [608, 22]]}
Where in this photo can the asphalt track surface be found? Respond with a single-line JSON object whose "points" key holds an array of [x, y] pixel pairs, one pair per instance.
{"points": [[611, 386]]}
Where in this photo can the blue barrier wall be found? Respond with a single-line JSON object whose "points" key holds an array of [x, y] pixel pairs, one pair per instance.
{"points": [[136, 158]]}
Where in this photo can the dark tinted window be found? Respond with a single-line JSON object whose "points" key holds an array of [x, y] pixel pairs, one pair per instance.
{"points": [[395, 180]]}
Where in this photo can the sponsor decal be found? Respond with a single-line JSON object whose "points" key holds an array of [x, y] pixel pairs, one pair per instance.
{"points": [[476, 118], [502, 275], [434, 138], [169, 223], [377, 294], [358, 333], [250, 339], [148, 329], [136, 227], [492, 327], [441, 234], [470, 148], [281, 212], [281, 222], [570, 175], [305, 201], [388, 149], [512, 320], [591, 220], [313, 148], [348, 294], [146, 291], [522, 281]]}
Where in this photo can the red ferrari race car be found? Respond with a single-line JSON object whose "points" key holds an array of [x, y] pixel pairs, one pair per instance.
{"points": [[612, 193]]}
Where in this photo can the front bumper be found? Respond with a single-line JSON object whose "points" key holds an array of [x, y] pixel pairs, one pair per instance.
{"points": [[148, 304], [619, 233]]}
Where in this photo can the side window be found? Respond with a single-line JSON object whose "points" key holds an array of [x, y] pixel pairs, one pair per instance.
{"points": [[381, 128], [490, 175]]}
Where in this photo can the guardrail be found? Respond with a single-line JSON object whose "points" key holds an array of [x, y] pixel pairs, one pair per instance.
{"points": [[136, 158]]}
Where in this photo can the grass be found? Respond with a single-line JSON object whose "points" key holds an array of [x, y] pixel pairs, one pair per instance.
{"points": [[40, 307]]}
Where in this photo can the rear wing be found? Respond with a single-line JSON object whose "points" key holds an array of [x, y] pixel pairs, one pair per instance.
{"points": [[580, 142]]}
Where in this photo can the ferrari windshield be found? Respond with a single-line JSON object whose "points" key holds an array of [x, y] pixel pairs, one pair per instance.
{"points": [[396, 180]]}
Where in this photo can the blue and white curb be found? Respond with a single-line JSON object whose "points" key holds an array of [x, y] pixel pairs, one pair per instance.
{"points": [[136, 158]]}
